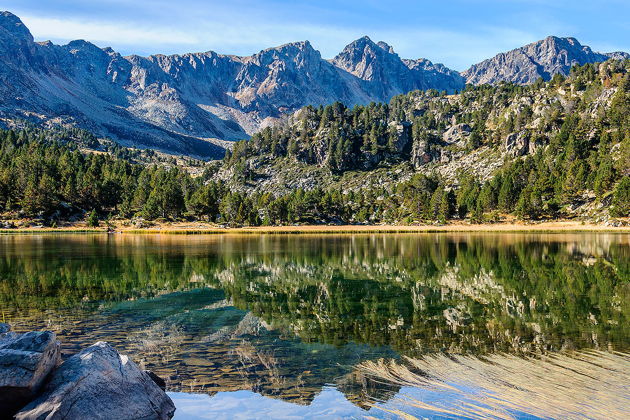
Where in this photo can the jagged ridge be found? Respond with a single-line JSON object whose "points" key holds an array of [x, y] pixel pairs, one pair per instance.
{"points": [[544, 58], [179, 102], [191, 103]]}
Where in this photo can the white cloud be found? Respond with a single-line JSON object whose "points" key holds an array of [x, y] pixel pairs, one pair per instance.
{"points": [[457, 49], [241, 37], [104, 32]]}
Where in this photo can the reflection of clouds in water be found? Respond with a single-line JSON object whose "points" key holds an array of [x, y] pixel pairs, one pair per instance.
{"points": [[328, 404], [589, 384]]}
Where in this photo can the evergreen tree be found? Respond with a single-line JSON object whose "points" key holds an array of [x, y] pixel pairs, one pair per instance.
{"points": [[621, 198], [92, 220]]}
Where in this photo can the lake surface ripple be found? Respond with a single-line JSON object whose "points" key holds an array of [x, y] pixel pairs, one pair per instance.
{"points": [[474, 325]]}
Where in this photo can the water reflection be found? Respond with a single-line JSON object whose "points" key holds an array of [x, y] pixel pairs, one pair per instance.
{"points": [[582, 384], [286, 316]]}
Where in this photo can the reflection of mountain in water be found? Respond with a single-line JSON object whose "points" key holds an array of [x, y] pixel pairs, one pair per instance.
{"points": [[283, 316]]}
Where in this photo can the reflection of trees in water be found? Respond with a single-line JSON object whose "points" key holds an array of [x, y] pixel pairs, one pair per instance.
{"points": [[419, 294], [463, 292], [473, 297]]}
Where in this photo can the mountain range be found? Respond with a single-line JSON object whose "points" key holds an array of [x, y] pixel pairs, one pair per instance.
{"points": [[195, 104]]}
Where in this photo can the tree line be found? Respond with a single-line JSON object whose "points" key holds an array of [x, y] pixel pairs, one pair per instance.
{"points": [[54, 181], [48, 174]]}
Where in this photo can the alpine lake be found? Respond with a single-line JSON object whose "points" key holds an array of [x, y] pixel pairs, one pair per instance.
{"points": [[422, 325]]}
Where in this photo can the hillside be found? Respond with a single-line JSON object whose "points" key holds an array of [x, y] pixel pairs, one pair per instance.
{"points": [[551, 150]]}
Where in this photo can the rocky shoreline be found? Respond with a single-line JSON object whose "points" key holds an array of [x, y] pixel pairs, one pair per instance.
{"points": [[96, 383]]}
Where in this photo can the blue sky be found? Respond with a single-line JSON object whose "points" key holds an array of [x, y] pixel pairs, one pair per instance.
{"points": [[457, 33]]}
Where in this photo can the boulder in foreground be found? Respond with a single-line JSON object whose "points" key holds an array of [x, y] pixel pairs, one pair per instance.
{"points": [[25, 362], [99, 383]]}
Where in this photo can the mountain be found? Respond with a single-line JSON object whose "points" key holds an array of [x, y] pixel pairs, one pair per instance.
{"points": [[192, 103], [385, 74], [544, 58], [556, 149], [196, 104], [552, 149]]}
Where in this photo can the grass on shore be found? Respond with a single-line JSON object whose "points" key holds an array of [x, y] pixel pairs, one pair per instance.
{"points": [[183, 228]]}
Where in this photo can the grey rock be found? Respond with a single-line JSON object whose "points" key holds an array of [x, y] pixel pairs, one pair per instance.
{"points": [[403, 135], [544, 58], [456, 133], [98, 383], [517, 144], [158, 381], [421, 153], [25, 362], [446, 156]]}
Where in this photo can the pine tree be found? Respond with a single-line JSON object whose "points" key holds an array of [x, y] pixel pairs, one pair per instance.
{"points": [[621, 198], [92, 220], [507, 193]]}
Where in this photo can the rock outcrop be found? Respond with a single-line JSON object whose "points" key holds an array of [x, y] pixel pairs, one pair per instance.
{"points": [[457, 133], [98, 383], [521, 144], [544, 58], [25, 362], [517, 144]]}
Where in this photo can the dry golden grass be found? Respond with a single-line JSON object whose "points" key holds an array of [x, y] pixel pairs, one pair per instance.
{"points": [[209, 228], [592, 384]]}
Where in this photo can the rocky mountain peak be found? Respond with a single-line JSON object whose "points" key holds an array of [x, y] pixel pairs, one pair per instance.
{"points": [[544, 58], [365, 44], [85, 50], [291, 48], [300, 52], [386, 47], [12, 26], [360, 43], [367, 60], [553, 44]]}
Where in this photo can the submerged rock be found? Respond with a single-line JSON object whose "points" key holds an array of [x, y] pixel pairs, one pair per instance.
{"points": [[25, 362], [99, 383]]}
